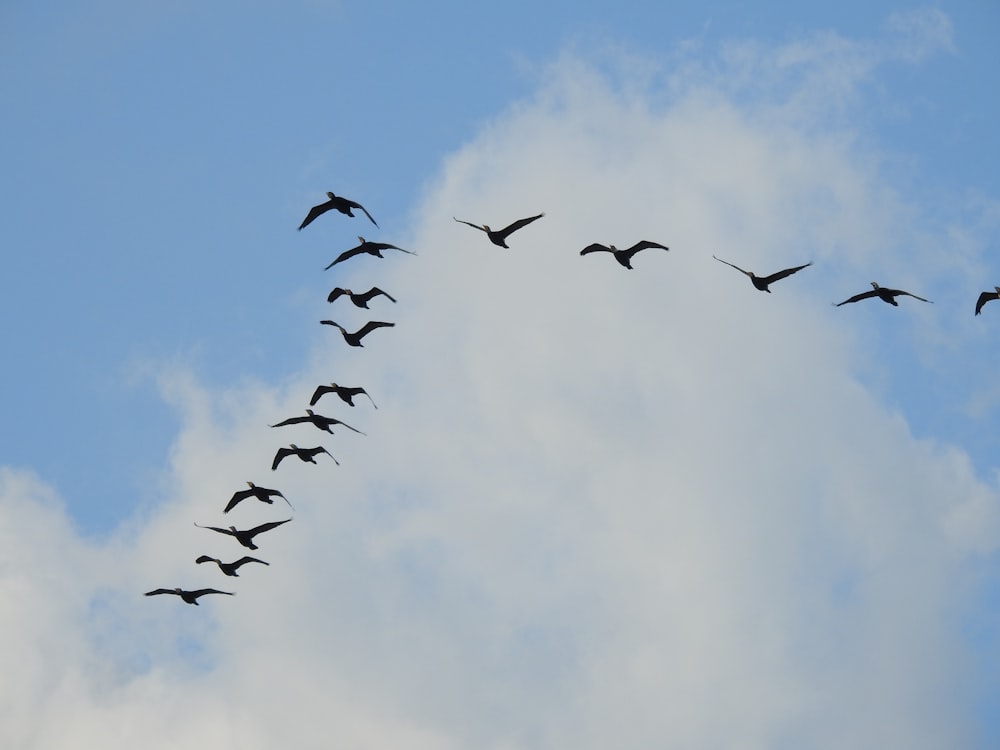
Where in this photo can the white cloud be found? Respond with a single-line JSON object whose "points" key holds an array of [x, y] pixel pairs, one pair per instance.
{"points": [[595, 506]]}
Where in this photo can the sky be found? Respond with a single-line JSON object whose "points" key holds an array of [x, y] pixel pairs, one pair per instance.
{"points": [[594, 506]]}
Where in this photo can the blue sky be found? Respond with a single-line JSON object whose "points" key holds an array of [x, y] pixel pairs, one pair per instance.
{"points": [[161, 311]]}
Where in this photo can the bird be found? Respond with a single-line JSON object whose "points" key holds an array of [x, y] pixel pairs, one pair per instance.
{"points": [[622, 256], [191, 597], [372, 248], [883, 293], [261, 493], [245, 536], [230, 569], [986, 297], [305, 454], [499, 236], [346, 393], [321, 422], [762, 282], [354, 339], [335, 202], [359, 299]]}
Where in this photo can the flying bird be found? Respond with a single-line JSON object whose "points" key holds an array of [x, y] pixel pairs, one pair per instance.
{"points": [[261, 493], [245, 536], [622, 256], [191, 597], [884, 294], [762, 282], [359, 299], [499, 236], [336, 202], [230, 569], [371, 248], [321, 422], [305, 454], [354, 339], [986, 297], [346, 394]]}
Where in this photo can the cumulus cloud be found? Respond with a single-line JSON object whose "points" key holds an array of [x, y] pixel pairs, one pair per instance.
{"points": [[594, 507]]}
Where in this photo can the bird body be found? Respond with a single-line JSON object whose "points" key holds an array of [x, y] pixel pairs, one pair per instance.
{"points": [[622, 256], [307, 455], [371, 248], [986, 297], [230, 569], [261, 493], [321, 422], [245, 536], [499, 236], [883, 293], [191, 597], [359, 299], [354, 339], [335, 202], [762, 282], [345, 393]]}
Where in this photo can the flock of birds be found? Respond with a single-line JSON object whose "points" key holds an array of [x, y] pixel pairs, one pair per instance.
{"points": [[347, 394]]}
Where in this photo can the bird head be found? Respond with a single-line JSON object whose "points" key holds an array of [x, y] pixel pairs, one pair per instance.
{"points": [[310, 412], [874, 285], [330, 195], [251, 485]]}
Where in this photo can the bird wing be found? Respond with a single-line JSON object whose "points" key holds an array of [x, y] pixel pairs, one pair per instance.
{"points": [[215, 528], [337, 292], [596, 247], [513, 227], [290, 420], [201, 592], [205, 559], [858, 297], [896, 292], [266, 527], [732, 265], [154, 592], [320, 391], [248, 559], [237, 498], [345, 255], [281, 453], [984, 298], [370, 326], [352, 204], [330, 421], [474, 226], [375, 291], [644, 244], [315, 211], [782, 274]]}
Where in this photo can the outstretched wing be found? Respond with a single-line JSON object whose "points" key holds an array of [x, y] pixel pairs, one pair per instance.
{"points": [[596, 248], [352, 204], [201, 592], [320, 449], [281, 453], [315, 211], [333, 420], [858, 297], [346, 255], [290, 420], [215, 528], [474, 226], [237, 498], [731, 265], [245, 560], [337, 292], [896, 292], [266, 527], [371, 325], [984, 298], [374, 292], [781, 274], [513, 227], [154, 592], [320, 391], [643, 245], [204, 559]]}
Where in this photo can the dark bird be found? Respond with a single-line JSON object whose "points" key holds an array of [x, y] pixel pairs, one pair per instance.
{"points": [[304, 454], [762, 282], [499, 236], [371, 248], [321, 422], [346, 394], [359, 299], [336, 202], [191, 597], [261, 493], [884, 294], [230, 569], [622, 256], [354, 339], [986, 297], [245, 537]]}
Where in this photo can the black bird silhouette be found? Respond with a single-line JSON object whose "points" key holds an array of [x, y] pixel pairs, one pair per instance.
{"points": [[336, 202], [884, 294], [321, 422], [245, 537], [622, 256], [354, 339], [305, 454], [986, 297], [371, 248], [261, 493], [499, 236], [346, 394], [191, 597], [230, 569], [359, 299], [762, 282]]}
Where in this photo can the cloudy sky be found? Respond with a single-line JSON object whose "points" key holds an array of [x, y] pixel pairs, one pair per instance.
{"points": [[594, 507]]}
